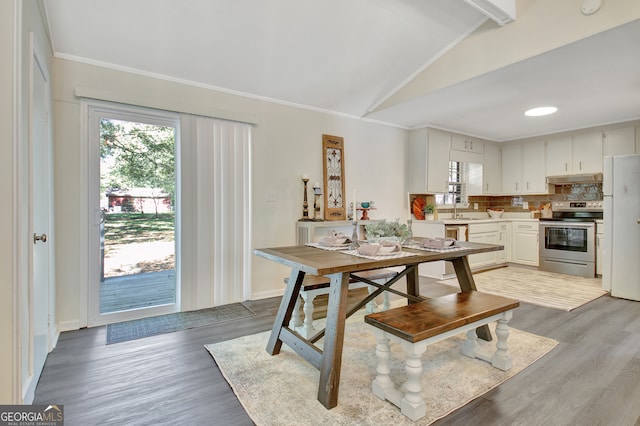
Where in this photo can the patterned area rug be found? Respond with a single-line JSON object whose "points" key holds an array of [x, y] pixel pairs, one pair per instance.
{"points": [[282, 389], [145, 327], [558, 291]]}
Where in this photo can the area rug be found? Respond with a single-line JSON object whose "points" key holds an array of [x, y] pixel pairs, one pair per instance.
{"points": [[145, 327], [282, 389], [558, 291]]}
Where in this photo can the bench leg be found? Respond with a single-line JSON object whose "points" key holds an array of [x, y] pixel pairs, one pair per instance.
{"points": [[371, 305], [308, 329], [382, 384], [501, 359], [296, 319], [412, 404], [469, 345]]}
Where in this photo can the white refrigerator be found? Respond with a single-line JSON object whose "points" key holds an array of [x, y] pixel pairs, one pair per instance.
{"points": [[621, 190]]}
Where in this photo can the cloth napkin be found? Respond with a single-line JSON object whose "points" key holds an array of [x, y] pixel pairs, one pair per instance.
{"points": [[396, 246], [368, 249], [385, 247], [334, 240], [437, 243]]}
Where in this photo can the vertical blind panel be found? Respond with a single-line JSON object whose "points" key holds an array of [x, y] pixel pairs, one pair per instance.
{"points": [[223, 206]]}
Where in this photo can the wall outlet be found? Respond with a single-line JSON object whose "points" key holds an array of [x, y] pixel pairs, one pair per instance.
{"points": [[475, 206], [525, 205]]}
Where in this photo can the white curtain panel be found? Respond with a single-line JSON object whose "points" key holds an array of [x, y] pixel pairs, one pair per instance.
{"points": [[216, 211]]}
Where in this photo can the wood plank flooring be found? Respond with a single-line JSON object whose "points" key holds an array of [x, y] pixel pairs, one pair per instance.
{"points": [[137, 291], [591, 378]]}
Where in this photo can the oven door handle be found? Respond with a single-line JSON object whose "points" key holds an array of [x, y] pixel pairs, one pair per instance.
{"points": [[560, 224]]}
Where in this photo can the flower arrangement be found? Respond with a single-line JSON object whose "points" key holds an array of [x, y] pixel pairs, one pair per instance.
{"points": [[384, 229]]}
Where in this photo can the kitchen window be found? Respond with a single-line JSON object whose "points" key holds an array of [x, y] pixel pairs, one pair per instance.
{"points": [[457, 186]]}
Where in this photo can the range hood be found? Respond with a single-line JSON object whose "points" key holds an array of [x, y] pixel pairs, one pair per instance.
{"points": [[569, 179]]}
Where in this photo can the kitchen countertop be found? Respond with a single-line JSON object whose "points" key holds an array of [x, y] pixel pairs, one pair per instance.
{"points": [[470, 220]]}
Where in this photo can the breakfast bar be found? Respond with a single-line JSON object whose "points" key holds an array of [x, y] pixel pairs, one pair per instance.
{"points": [[342, 268]]}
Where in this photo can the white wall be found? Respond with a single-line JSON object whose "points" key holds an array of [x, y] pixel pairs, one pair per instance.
{"points": [[287, 142]]}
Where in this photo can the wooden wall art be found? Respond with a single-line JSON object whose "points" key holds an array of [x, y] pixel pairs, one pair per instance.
{"points": [[333, 173]]}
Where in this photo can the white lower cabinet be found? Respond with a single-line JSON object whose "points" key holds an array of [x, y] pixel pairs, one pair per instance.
{"points": [[504, 239], [524, 247], [488, 233]]}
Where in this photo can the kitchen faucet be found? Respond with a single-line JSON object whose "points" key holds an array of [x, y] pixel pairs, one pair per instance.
{"points": [[455, 211]]}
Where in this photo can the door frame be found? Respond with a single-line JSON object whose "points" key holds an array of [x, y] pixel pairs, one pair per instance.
{"points": [[92, 110]]}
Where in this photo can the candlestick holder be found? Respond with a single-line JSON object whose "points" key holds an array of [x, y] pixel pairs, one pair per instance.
{"points": [[305, 203], [354, 237], [317, 193]]}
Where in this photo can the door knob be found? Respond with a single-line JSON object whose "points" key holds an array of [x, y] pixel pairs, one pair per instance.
{"points": [[37, 238]]}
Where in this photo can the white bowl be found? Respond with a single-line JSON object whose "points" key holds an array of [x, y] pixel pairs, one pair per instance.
{"points": [[494, 214]]}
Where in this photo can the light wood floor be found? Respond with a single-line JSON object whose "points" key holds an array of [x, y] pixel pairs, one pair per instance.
{"points": [[591, 378]]}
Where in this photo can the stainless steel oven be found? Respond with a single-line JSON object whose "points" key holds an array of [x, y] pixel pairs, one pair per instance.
{"points": [[567, 240]]}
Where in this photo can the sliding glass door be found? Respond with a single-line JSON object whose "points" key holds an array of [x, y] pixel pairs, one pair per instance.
{"points": [[133, 214]]}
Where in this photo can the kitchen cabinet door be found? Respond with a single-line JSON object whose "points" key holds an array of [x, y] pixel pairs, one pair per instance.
{"points": [[525, 249], [428, 161], [503, 256], [512, 169], [466, 144], [619, 141], [559, 154], [438, 161], [587, 153], [534, 178], [491, 173], [482, 260]]}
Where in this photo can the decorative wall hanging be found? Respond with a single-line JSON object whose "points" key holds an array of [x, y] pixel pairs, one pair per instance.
{"points": [[333, 172]]}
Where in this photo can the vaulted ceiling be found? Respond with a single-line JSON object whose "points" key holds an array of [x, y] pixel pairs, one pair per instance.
{"points": [[361, 58]]}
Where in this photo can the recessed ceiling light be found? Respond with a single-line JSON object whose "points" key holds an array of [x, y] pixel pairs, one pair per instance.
{"points": [[538, 112]]}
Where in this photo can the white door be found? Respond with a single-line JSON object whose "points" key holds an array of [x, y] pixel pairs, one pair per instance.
{"points": [[39, 300]]}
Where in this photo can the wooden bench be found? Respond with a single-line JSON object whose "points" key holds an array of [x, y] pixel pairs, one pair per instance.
{"points": [[314, 285], [418, 325]]}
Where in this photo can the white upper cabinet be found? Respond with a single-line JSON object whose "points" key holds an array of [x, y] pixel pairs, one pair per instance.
{"points": [[587, 153], [512, 169], [491, 175], [534, 179], [428, 161], [466, 144], [579, 154], [559, 156], [619, 141], [523, 169]]}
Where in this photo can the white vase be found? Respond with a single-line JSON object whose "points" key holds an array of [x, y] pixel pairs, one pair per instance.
{"points": [[428, 216]]}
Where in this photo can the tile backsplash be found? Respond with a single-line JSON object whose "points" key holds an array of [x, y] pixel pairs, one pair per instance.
{"points": [[573, 192]]}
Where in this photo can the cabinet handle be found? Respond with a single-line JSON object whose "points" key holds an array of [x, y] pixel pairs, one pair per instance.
{"points": [[566, 167], [471, 145], [527, 185], [580, 163], [516, 186], [487, 185]]}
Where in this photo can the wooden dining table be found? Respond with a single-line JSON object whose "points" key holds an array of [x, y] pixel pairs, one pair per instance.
{"points": [[341, 268]]}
